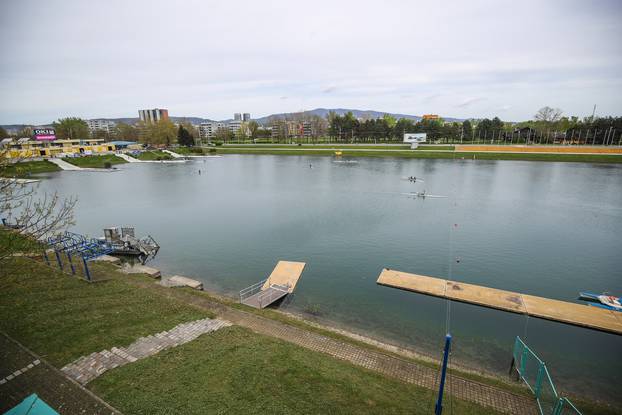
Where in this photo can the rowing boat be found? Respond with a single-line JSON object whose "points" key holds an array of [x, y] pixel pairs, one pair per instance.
{"points": [[424, 195]]}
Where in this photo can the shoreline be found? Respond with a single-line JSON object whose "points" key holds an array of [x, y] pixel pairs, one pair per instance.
{"points": [[386, 345], [614, 158]]}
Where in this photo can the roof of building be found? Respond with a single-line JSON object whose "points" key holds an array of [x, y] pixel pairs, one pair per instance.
{"points": [[123, 143]]}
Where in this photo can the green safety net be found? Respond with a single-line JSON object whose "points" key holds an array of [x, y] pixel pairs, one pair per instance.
{"points": [[536, 376]]}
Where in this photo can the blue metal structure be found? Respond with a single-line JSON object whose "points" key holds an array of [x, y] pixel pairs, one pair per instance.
{"points": [[74, 244], [533, 372], [438, 409]]}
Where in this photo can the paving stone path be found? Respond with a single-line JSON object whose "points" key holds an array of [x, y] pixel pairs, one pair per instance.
{"points": [[25, 373], [87, 368], [390, 365]]}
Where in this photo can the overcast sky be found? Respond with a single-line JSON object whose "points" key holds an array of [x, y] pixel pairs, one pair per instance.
{"points": [[209, 59]]}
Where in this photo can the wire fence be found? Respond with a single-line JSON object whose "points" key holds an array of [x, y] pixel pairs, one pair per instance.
{"points": [[532, 370]]}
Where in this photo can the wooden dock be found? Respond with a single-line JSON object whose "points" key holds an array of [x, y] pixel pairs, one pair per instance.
{"points": [[282, 281], [545, 308]]}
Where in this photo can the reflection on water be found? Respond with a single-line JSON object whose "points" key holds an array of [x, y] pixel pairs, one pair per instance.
{"points": [[548, 229]]}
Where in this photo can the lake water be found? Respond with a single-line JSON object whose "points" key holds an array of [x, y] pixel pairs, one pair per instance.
{"points": [[547, 229]]}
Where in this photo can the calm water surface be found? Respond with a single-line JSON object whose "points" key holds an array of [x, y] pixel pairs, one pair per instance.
{"points": [[547, 229]]}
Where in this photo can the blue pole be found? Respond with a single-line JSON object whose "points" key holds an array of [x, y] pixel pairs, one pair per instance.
{"points": [[438, 409], [60, 264], [73, 270], [86, 269]]}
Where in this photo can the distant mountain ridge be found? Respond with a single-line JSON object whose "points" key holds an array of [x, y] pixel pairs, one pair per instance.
{"points": [[321, 112]]}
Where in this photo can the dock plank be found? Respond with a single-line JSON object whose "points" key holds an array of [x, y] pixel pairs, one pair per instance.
{"points": [[545, 308], [413, 282], [286, 273]]}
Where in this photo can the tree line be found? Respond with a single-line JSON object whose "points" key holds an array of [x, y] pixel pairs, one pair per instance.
{"points": [[548, 126]]}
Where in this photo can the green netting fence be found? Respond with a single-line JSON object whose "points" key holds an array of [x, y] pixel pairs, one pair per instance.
{"points": [[536, 376]]}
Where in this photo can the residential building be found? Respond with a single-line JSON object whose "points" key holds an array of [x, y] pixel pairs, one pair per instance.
{"points": [[101, 125], [291, 129], [235, 125], [246, 117], [430, 117], [237, 116], [207, 130], [153, 115]]}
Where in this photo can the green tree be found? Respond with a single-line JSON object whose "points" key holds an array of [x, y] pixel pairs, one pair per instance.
{"points": [[71, 128], [184, 138], [103, 134], [3, 133], [24, 132], [252, 128], [126, 132], [390, 120], [224, 135], [161, 132], [467, 130]]}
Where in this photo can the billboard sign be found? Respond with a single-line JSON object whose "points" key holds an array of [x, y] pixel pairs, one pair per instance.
{"points": [[44, 134], [415, 137]]}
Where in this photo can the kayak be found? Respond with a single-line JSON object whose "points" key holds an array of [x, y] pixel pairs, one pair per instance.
{"points": [[604, 300]]}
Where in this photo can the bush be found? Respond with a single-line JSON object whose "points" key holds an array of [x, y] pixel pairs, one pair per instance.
{"points": [[212, 150], [107, 165], [196, 150], [218, 143]]}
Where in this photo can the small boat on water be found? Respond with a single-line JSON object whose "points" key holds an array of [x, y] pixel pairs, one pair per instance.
{"points": [[424, 195], [606, 301], [413, 179]]}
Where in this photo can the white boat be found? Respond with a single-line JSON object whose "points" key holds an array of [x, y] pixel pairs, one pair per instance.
{"points": [[424, 195]]}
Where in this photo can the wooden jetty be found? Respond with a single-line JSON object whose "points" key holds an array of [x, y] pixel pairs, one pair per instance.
{"points": [[282, 281], [545, 308]]}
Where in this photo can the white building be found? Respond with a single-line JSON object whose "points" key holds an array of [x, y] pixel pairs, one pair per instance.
{"points": [[101, 125], [207, 130]]}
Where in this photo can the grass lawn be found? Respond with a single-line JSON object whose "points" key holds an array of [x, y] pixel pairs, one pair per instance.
{"points": [[154, 155], [95, 161], [26, 168], [236, 371], [324, 146], [583, 158], [190, 151], [62, 318]]}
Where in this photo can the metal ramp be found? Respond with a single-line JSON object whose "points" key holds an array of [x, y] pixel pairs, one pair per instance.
{"points": [[258, 297], [282, 281]]}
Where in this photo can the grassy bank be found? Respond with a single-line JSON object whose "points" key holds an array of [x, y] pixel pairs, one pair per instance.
{"points": [[98, 161], [430, 154], [27, 168], [342, 146], [232, 370], [62, 318], [237, 371], [154, 155]]}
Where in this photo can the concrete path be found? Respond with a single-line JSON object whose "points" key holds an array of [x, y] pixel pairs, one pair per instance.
{"points": [[87, 368], [405, 370], [24, 373], [175, 155], [70, 167], [64, 165], [130, 159]]}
